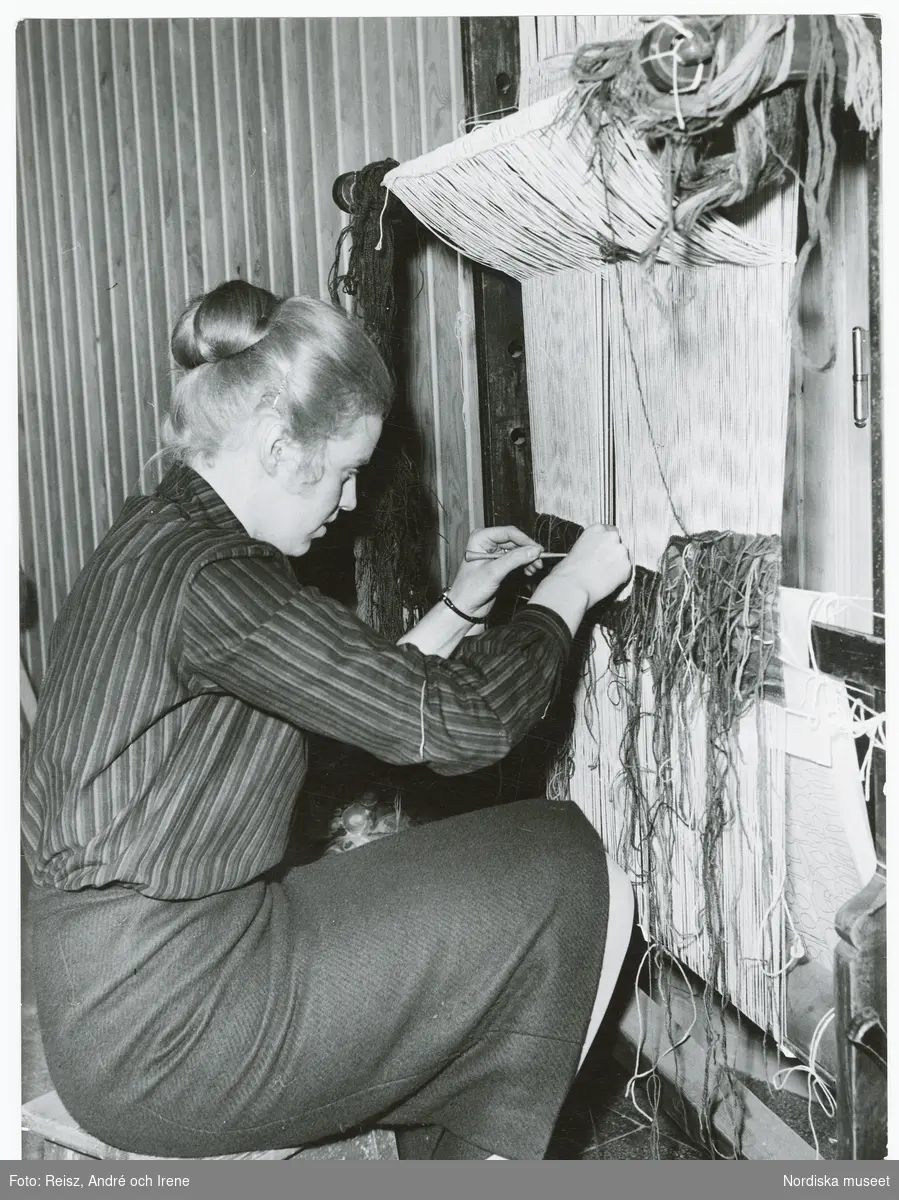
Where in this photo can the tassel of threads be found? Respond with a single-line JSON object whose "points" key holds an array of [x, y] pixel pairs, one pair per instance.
{"points": [[368, 277], [391, 557], [745, 100]]}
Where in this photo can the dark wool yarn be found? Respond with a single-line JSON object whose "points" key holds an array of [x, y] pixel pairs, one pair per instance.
{"points": [[392, 555], [704, 626]]}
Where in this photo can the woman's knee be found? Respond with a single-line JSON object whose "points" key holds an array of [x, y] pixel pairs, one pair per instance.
{"points": [[576, 848]]}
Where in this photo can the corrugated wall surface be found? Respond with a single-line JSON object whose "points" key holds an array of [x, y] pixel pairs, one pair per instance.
{"points": [[157, 158]]}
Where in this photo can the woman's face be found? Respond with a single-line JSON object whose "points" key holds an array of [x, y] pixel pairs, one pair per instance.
{"points": [[303, 510]]}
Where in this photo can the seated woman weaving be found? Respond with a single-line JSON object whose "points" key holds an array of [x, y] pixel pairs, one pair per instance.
{"points": [[194, 1001]]}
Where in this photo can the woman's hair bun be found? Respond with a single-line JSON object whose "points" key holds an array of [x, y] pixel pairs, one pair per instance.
{"points": [[224, 322]]}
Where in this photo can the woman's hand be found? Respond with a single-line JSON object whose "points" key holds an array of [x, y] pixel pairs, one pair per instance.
{"points": [[477, 582], [473, 590], [598, 561], [595, 567]]}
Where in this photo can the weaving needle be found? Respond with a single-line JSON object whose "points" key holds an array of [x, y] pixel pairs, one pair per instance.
{"points": [[474, 556]]}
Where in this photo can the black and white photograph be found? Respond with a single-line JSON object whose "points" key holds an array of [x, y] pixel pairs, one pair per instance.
{"points": [[452, 605]]}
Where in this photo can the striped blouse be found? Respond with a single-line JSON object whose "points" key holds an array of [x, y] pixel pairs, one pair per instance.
{"points": [[185, 666]]}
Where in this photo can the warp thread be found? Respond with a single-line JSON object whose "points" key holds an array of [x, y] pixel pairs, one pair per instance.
{"points": [[743, 101]]}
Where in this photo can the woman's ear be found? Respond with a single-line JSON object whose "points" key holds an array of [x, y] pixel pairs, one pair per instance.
{"points": [[273, 443]]}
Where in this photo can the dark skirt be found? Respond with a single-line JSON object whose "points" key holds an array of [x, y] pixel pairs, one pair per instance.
{"points": [[440, 977]]}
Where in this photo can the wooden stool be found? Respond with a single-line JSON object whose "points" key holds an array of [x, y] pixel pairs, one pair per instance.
{"points": [[63, 1138]]}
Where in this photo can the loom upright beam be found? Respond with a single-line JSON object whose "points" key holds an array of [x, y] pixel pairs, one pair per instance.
{"points": [[491, 68]]}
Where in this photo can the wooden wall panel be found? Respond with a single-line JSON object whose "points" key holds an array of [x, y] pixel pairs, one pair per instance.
{"points": [[275, 153], [300, 174], [379, 118], [157, 158], [827, 508], [325, 159]]}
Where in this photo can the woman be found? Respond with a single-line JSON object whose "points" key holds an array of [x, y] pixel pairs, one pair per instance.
{"points": [[194, 1000]]}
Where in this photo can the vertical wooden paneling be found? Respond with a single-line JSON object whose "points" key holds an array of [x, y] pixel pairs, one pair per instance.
{"points": [[94, 277], [375, 83], [226, 127], [827, 511], [325, 155], [152, 312], [275, 156], [33, 641], [85, 374], [300, 178], [37, 372], [135, 395], [159, 157], [190, 181], [203, 108], [120, 416], [248, 83], [70, 429]]}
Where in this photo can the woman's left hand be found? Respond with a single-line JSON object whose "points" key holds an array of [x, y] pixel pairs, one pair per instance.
{"points": [[476, 584]]}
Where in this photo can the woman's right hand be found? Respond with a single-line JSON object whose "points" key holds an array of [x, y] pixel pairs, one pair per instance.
{"points": [[598, 562], [597, 565]]}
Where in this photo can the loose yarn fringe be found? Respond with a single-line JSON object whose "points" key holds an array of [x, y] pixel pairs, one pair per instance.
{"points": [[391, 556], [693, 652], [369, 270], [745, 96]]}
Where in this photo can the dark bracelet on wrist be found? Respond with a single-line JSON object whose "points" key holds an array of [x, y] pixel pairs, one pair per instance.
{"points": [[444, 596]]}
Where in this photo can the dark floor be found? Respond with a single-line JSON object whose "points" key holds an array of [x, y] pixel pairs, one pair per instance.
{"points": [[600, 1121]]}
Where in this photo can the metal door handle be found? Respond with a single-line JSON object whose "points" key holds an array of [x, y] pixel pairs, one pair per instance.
{"points": [[861, 371]]}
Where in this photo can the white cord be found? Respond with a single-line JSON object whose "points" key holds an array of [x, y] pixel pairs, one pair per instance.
{"points": [[818, 1089], [381, 219], [421, 718], [630, 1090]]}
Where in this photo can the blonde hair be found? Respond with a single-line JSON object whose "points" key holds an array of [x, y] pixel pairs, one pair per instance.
{"points": [[239, 347]]}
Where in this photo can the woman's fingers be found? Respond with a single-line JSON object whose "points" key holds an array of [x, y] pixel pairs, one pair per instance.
{"points": [[498, 538], [520, 556]]}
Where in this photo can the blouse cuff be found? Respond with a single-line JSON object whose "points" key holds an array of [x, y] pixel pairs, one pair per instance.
{"points": [[547, 621]]}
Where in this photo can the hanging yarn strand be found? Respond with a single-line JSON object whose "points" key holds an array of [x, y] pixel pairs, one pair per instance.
{"points": [[744, 97], [391, 556], [820, 160], [370, 261]]}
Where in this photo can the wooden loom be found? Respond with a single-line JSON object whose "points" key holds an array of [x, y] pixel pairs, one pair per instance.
{"points": [[761, 1134]]}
